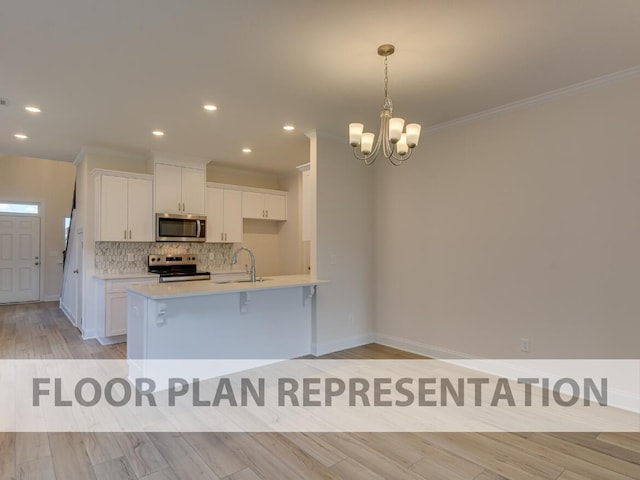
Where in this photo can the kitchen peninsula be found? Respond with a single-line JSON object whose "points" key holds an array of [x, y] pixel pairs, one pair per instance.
{"points": [[266, 319]]}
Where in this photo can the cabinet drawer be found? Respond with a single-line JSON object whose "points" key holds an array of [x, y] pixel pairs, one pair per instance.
{"points": [[121, 285]]}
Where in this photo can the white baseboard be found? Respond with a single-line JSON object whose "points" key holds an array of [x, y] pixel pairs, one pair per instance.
{"points": [[89, 334], [112, 340], [67, 313], [343, 344], [412, 346], [507, 368], [51, 298]]}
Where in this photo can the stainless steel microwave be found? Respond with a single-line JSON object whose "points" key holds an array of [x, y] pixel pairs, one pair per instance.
{"points": [[180, 228]]}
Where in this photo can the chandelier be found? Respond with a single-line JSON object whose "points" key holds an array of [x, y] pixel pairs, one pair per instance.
{"points": [[395, 144]]}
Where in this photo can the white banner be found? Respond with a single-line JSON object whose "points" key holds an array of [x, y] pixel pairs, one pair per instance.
{"points": [[320, 395]]}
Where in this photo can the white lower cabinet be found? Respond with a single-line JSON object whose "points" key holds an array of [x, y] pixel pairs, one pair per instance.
{"points": [[112, 306]]}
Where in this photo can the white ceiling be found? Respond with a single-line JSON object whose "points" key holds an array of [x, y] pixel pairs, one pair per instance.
{"points": [[107, 72]]}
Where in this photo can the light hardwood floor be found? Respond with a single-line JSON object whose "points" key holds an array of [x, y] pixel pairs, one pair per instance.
{"points": [[42, 331]]}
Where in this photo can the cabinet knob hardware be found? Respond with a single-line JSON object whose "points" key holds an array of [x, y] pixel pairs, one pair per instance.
{"points": [[75, 271], [130, 236], [37, 263], [125, 234]]}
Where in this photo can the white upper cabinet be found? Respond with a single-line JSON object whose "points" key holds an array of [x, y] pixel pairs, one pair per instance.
{"points": [[168, 188], [179, 189], [140, 210], [193, 188], [253, 205], [224, 215], [124, 208], [275, 206], [264, 206], [112, 209]]}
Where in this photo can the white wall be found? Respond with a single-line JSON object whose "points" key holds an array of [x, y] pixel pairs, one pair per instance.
{"points": [[522, 224], [290, 245], [343, 246], [50, 183]]}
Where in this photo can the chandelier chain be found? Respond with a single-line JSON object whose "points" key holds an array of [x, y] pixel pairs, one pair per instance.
{"points": [[386, 79]]}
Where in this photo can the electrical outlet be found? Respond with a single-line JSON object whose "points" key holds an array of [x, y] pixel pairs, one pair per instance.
{"points": [[524, 344], [130, 257]]}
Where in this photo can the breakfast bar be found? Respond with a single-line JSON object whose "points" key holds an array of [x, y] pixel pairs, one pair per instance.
{"points": [[267, 319]]}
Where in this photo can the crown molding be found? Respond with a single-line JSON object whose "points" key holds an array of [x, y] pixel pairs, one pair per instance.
{"points": [[547, 97], [323, 133], [223, 168], [112, 152], [304, 167], [177, 159]]}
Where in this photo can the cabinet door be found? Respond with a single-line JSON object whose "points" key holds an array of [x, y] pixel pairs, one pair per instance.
{"points": [[253, 205], [233, 216], [113, 209], [193, 185], [168, 188], [276, 206], [214, 212], [116, 314], [140, 194]]}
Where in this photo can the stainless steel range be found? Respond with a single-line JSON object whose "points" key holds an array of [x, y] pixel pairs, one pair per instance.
{"points": [[177, 268]]}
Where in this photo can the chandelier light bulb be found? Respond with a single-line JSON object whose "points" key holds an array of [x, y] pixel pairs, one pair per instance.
{"points": [[395, 129], [401, 147], [355, 133], [413, 134], [367, 143]]}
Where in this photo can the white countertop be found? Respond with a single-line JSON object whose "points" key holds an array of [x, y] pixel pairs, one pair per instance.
{"points": [[124, 276], [202, 287]]}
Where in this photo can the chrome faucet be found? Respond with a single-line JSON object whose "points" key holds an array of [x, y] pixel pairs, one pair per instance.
{"points": [[234, 260]]}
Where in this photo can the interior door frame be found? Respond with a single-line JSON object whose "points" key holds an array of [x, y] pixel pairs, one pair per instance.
{"points": [[41, 216]]}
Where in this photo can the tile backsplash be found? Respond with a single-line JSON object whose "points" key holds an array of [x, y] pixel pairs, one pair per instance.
{"points": [[113, 257]]}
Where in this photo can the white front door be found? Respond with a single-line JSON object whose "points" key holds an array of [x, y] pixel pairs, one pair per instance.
{"points": [[19, 258]]}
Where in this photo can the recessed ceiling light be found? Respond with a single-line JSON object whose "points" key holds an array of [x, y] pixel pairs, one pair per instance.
{"points": [[33, 109], [246, 150], [158, 133], [21, 136], [210, 107], [289, 127]]}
